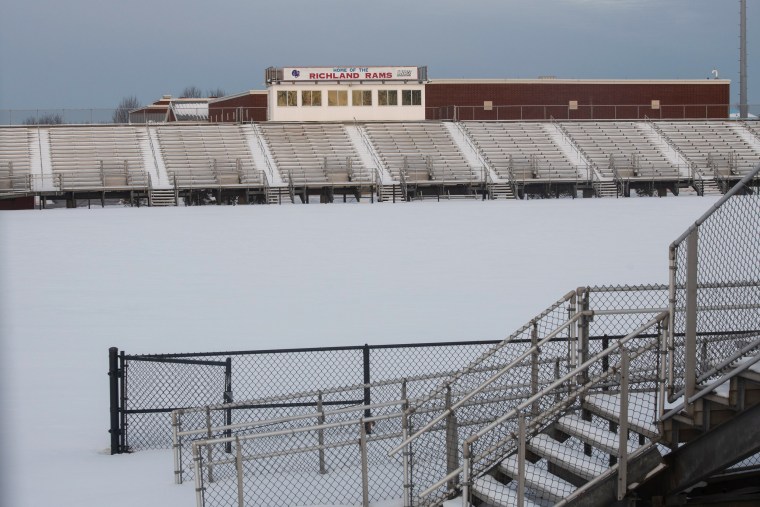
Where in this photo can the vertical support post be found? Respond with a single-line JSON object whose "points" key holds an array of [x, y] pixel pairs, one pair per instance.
{"points": [[692, 243], [367, 380], [664, 334], [113, 384], [227, 400], [583, 352], [321, 435], [176, 448], [199, 489], [452, 441], [521, 460], [535, 409], [622, 480], [365, 471], [123, 442], [406, 453], [572, 342], [239, 470], [208, 447], [466, 474]]}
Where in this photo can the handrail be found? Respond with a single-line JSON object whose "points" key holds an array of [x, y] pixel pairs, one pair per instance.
{"points": [[547, 390], [742, 183], [486, 383]]}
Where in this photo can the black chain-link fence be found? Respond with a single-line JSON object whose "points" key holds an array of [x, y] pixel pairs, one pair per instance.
{"points": [[147, 388]]}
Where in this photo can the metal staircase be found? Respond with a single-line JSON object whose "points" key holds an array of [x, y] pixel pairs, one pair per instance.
{"points": [[611, 394]]}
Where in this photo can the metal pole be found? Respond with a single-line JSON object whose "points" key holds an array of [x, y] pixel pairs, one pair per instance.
{"points": [[367, 380], [239, 468], [177, 448], [208, 447], [200, 499], [743, 107], [228, 399], [535, 409], [406, 454], [692, 243], [622, 480], [452, 441], [521, 460], [365, 472], [321, 435], [113, 381], [466, 474]]}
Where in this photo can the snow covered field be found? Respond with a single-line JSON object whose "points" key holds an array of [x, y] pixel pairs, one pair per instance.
{"points": [[147, 280]]}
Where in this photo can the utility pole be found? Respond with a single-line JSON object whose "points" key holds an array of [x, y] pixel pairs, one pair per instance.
{"points": [[743, 108]]}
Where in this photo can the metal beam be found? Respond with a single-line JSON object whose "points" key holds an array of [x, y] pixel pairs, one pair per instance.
{"points": [[712, 452]]}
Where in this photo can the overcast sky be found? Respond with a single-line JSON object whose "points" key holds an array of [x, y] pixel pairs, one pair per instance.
{"points": [[91, 53]]}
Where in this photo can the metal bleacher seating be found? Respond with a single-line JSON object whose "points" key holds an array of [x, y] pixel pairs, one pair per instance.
{"points": [[97, 157], [15, 159], [717, 147], [622, 149], [207, 156], [420, 150], [314, 153], [523, 150]]}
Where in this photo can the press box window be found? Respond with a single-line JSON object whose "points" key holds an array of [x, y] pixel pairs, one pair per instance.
{"points": [[287, 98], [387, 97], [411, 97], [311, 98], [337, 98], [361, 97]]}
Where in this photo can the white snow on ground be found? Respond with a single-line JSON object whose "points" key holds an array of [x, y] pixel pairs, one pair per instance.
{"points": [[75, 282]]}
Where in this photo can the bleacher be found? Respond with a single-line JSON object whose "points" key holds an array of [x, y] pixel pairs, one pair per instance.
{"points": [[624, 145], [421, 150], [207, 156], [718, 148], [15, 160], [524, 149], [97, 157], [314, 153]]}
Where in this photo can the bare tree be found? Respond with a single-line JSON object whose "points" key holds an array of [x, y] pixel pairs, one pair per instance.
{"points": [[216, 92], [127, 104], [191, 92], [44, 119]]}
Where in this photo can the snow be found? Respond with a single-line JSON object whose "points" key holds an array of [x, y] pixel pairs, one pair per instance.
{"points": [[154, 280]]}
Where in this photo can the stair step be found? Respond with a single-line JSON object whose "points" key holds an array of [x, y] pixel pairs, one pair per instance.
{"points": [[572, 460], [608, 407], [592, 434], [549, 487], [495, 493]]}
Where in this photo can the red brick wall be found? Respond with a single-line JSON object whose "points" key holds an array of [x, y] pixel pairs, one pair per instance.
{"points": [[534, 101], [251, 107]]}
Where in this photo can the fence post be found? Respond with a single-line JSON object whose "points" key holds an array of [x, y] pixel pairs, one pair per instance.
{"points": [[367, 380], [406, 453], [692, 243], [622, 480], [228, 399], [239, 470], [535, 409], [113, 382], [208, 447], [452, 441], [321, 435], [123, 442], [365, 472], [521, 460], [466, 473]]}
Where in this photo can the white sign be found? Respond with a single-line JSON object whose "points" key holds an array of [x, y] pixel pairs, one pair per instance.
{"points": [[349, 73]]}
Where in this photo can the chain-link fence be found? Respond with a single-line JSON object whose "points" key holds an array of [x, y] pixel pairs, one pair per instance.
{"points": [[715, 295], [145, 389]]}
